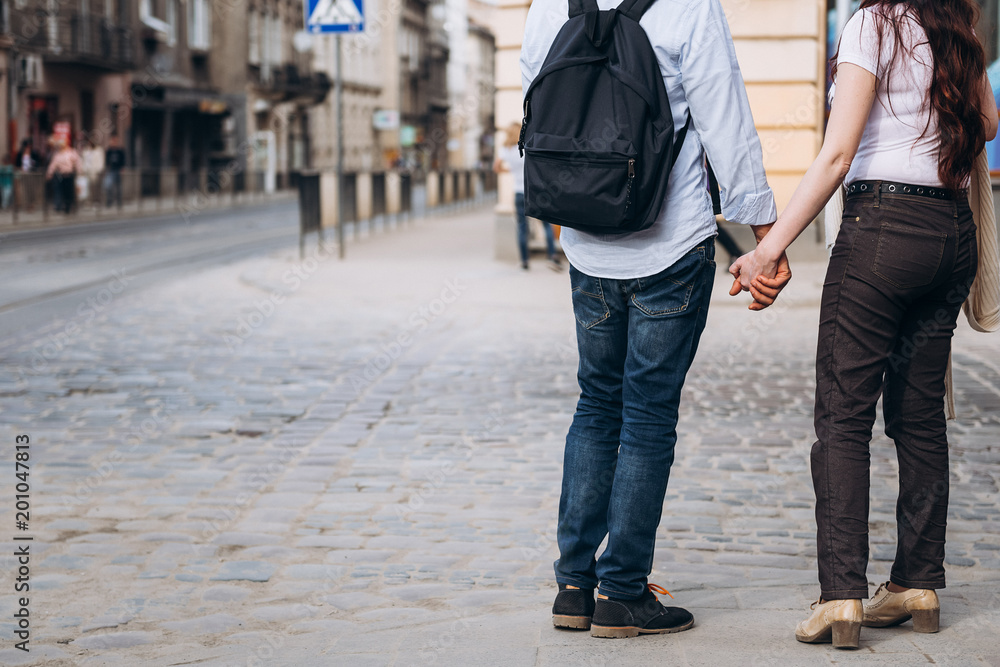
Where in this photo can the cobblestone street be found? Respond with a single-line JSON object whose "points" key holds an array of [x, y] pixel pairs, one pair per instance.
{"points": [[279, 461]]}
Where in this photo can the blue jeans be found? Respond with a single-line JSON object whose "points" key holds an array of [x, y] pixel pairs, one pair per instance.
{"points": [[113, 187], [522, 231], [637, 339]]}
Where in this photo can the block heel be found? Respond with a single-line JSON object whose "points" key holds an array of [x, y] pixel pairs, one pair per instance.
{"points": [[835, 621], [846, 634], [926, 620]]}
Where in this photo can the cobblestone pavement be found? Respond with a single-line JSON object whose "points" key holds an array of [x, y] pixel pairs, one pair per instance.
{"points": [[324, 463]]}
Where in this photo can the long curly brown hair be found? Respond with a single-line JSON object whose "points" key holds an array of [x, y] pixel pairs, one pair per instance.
{"points": [[959, 67]]}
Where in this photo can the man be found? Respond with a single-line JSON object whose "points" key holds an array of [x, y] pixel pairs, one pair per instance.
{"points": [[641, 301], [114, 161]]}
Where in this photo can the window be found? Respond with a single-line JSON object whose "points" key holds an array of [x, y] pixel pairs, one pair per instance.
{"points": [[199, 24], [253, 57], [276, 39], [161, 16], [987, 29], [172, 22]]}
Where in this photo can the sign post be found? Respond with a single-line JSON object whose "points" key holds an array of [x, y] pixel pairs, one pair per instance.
{"points": [[337, 16]]}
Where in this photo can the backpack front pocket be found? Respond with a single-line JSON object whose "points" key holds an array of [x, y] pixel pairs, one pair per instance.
{"points": [[592, 190]]}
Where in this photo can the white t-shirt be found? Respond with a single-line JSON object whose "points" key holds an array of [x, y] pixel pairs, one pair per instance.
{"points": [[892, 148], [512, 156]]}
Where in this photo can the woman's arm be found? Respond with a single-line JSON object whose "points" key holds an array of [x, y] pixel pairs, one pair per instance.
{"points": [[856, 89], [988, 105]]}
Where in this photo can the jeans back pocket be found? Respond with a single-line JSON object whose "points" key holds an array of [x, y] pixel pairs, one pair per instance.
{"points": [[908, 257], [589, 305]]}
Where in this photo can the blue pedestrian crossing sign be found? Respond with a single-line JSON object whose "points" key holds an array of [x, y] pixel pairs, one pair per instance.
{"points": [[335, 15]]}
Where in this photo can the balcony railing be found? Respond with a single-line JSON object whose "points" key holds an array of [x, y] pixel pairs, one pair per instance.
{"points": [[288, 83], [76, 38]]}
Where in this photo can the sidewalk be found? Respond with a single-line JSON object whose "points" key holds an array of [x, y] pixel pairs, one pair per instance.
{"points": [[147, 207], [277, 462]]}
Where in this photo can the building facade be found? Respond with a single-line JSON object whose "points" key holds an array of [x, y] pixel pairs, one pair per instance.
{"points": [[367, 80], [187, 85], [418, 88], [282, 87], [471, 87], [69, 66], [224, 84]]}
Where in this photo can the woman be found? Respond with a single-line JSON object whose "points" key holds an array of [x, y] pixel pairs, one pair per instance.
{"points": [[912, 110], [62, 172], [510, 159], [25, 159]]}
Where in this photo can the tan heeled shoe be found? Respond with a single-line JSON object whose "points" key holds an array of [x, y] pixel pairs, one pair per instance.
{"points": [[886, 609], [836, 621]]}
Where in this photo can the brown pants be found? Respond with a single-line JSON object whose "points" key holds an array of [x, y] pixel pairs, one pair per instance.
{"points": [[902, 267]]}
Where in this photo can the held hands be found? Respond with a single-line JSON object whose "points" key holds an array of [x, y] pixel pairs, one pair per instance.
{"points": [[762, 274]]}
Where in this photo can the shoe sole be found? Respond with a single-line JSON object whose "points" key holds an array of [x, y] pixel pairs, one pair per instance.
{"points": [[623, 632], [571, 622]]}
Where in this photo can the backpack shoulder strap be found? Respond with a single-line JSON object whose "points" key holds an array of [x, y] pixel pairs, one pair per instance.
{"points": [[577, 7], [634, 9]]}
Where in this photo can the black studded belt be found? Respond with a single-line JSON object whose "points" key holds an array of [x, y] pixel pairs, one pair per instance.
{"points": [[891, 188]]}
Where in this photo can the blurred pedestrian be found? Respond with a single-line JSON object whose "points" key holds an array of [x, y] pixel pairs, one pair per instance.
{"points": [[510, 159], [92, 159], [62, 173], [24, 193], [114, 162], [26, 157], [912, 110]]}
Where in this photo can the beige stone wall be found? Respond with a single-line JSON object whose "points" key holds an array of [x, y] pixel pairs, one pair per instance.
{"points": [[508, 28], [781, 47]]}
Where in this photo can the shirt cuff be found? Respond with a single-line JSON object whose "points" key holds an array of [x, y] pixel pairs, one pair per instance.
{"points": [[757, 209]]}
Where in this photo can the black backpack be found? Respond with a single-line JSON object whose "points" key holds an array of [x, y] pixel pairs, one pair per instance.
{"points": [[598, 133]]}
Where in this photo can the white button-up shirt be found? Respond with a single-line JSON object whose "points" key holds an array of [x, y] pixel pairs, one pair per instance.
{"points": [[695, 52]]}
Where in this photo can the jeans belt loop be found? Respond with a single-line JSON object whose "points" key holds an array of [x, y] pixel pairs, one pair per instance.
{"points": [[878, 193]]}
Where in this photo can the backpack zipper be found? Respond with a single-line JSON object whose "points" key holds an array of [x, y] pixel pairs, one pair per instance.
{"points": [[628, 190], [605, 161], [524, 128]]}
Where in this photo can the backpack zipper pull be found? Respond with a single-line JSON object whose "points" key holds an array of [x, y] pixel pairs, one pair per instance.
{"points": [[524, 128], [628, 190]]}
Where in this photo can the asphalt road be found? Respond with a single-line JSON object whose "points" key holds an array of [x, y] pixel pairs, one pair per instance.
{"points": [[46, 274]]}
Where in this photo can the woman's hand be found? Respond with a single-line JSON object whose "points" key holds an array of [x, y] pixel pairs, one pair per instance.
{"points": [[762, 274]]}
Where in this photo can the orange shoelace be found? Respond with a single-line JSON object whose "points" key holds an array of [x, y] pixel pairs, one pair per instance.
{"points": [[659, 589]]}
